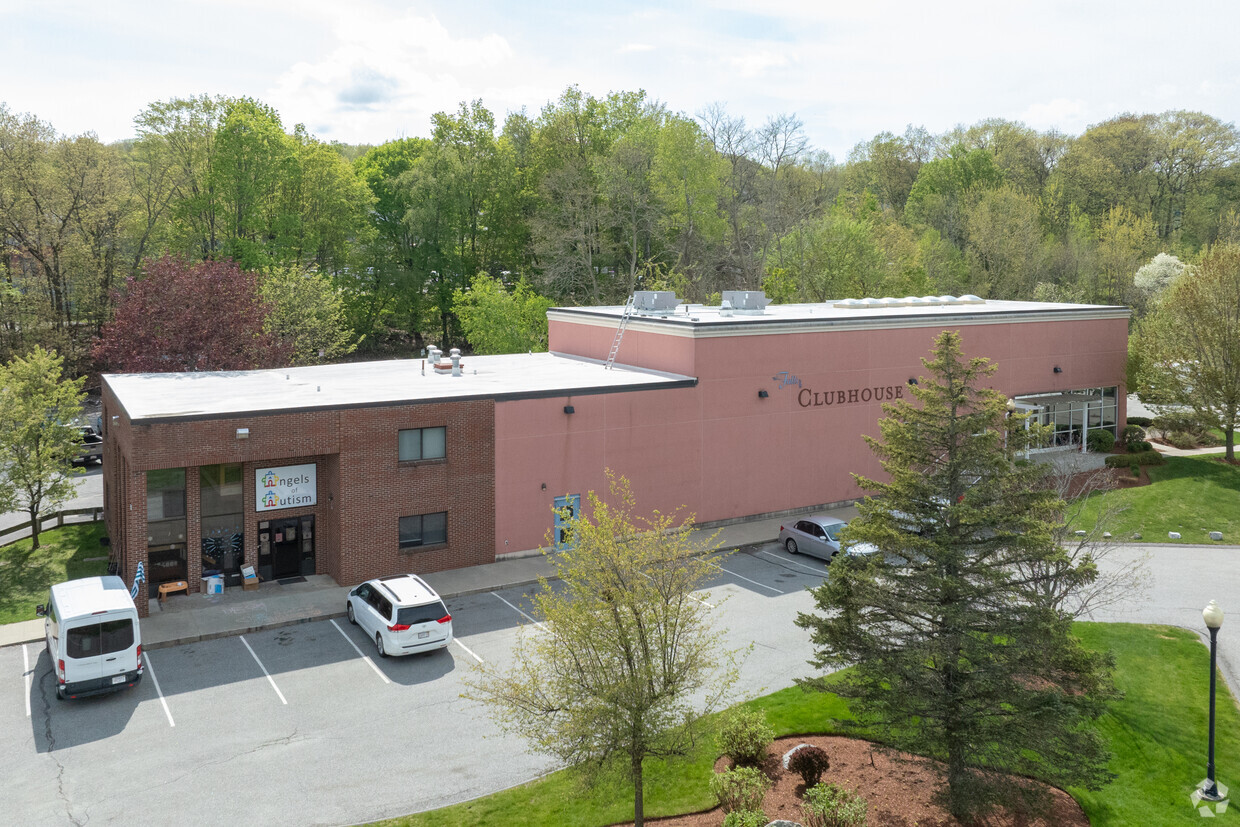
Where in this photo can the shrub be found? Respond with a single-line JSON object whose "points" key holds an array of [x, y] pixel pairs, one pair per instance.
{"points": [[742, 788], [810, 763], [744, 736], [1142, 421], [1138, 447], [826, 805], [1135, 469], [1128, 460], [1100, 440], [745, 818], [1185, 422], [1181, 439], [1133, 435]]}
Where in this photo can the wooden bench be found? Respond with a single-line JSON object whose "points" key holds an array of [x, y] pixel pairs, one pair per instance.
{"points": [[172, 587]]}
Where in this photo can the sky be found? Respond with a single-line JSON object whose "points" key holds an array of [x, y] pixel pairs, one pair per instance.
{"points": [[368, 71]]}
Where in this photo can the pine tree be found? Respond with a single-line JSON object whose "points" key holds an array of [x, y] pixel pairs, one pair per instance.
{"points": [[954, 652]]}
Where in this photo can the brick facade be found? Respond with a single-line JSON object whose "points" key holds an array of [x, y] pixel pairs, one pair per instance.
{"points": [[362, 488]]}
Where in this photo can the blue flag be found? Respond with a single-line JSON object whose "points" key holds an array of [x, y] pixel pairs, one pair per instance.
{"points": [[137, 578]]}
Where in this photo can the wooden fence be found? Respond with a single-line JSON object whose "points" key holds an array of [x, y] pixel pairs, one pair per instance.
{"points": [[56, 519]]}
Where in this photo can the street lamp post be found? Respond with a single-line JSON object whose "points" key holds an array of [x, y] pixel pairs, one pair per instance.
{"points": [[1213, 617]]}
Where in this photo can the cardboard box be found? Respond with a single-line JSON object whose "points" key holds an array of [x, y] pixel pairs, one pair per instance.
{"points": [[215, 585], [249, 580]]}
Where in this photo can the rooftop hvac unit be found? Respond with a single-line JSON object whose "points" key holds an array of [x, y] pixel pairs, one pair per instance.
{"points": [[746, 302], [655, 302]]}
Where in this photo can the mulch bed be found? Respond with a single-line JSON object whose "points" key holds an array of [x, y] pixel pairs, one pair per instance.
{"points": [[898, 787]]}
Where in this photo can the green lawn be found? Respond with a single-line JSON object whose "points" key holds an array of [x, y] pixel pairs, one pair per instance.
{"points": [[1189, 495], [1157, 733], [25, 577]]}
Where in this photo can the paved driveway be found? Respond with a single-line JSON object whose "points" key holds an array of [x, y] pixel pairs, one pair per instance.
{"points": [[305, 725]]}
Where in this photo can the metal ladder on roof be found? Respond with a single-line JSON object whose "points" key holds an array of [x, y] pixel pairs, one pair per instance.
{"points": [[615, 343]]}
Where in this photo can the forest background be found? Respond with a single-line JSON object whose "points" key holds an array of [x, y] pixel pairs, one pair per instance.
{"points": [[586, 202]]}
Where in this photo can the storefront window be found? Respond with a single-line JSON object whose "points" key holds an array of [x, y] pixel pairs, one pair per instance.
{"points": [[222, 534], [165, 526], [1068, 412]]}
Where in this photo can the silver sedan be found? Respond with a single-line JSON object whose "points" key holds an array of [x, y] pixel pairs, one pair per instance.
{"points": [[817, 536]]}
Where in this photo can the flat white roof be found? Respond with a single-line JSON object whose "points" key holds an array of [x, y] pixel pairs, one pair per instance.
{"points": [[705, 321], [153, 397], [91, 594]]}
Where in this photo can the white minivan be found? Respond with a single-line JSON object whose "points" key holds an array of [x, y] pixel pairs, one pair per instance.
{"points": [[92, 636]]}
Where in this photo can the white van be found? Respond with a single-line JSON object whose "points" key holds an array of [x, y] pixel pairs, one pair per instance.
{"points": [[92, 636]]}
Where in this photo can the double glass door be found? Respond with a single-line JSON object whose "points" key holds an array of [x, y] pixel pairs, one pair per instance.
{"points": [[286, 547]]}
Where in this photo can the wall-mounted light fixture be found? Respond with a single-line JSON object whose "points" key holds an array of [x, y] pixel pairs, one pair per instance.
{"points": [[569, 409], [243, 433], [544, 486], [1058, 369], [763, 394], [912, 380]]}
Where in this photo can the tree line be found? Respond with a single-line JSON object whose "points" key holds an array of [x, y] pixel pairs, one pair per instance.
{"points": [[586, 201]]}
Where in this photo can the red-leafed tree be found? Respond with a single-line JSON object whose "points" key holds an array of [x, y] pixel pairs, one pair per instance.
{"points": [[183, 316]]}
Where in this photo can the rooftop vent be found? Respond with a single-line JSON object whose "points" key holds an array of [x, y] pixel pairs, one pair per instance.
{"points": [[746, 302], [654, 302]]}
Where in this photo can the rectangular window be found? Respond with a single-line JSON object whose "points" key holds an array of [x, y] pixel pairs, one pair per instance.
{"points": [[83, 641], [421, 443], [117, 636], [424, 530]]}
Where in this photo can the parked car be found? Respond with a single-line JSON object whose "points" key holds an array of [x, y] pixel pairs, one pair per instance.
{"points": [[93, 637], [92, 447], [818, 536], [402, 613]]}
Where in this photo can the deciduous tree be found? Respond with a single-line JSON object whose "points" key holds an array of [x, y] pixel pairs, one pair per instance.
{"points": [[955, 652], [627, 663], [186, 317], [306, 314], [499, 320], [39, 435], [1187, 352]]}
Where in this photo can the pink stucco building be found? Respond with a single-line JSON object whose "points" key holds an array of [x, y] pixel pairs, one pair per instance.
{"points": [[732, 412]]}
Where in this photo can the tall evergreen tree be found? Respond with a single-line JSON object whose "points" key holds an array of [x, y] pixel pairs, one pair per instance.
{"points": [[955, 652]]}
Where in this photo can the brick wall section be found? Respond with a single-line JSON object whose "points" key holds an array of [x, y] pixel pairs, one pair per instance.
{"points": [[363, 489], [375, 489]]}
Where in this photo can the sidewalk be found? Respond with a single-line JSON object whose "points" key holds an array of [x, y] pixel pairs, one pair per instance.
{"points": [[194, 617]]}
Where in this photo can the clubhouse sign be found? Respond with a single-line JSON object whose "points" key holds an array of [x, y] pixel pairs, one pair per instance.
{"points": [[810, 398], [288, 486]]}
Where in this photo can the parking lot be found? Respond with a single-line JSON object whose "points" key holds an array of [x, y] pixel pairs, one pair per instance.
{"points": [[306, 725]]}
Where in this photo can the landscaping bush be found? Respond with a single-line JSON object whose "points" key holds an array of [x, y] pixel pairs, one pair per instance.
{"points": [[1135, 469], [1142, 421], [1100, 440], [1138, 447], [1132, 435], [742, 788], [1127, 460], [810, 763], [1181, 439], [826, 805], [745, 818], [745, 735]]}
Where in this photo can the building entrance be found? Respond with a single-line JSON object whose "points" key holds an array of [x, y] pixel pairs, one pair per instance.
{"points": [[286, 547]]}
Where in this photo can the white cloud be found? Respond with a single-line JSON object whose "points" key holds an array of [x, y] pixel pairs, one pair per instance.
{"points": [[758, 63], [635, 47], [386, 74]]}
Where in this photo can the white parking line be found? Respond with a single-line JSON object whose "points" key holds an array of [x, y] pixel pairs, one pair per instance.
{"points": [[270, 679], [457, 641], [746, 579], [792, 563], [26, 673], [523, 614], [360, 654], [151, 667]]}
